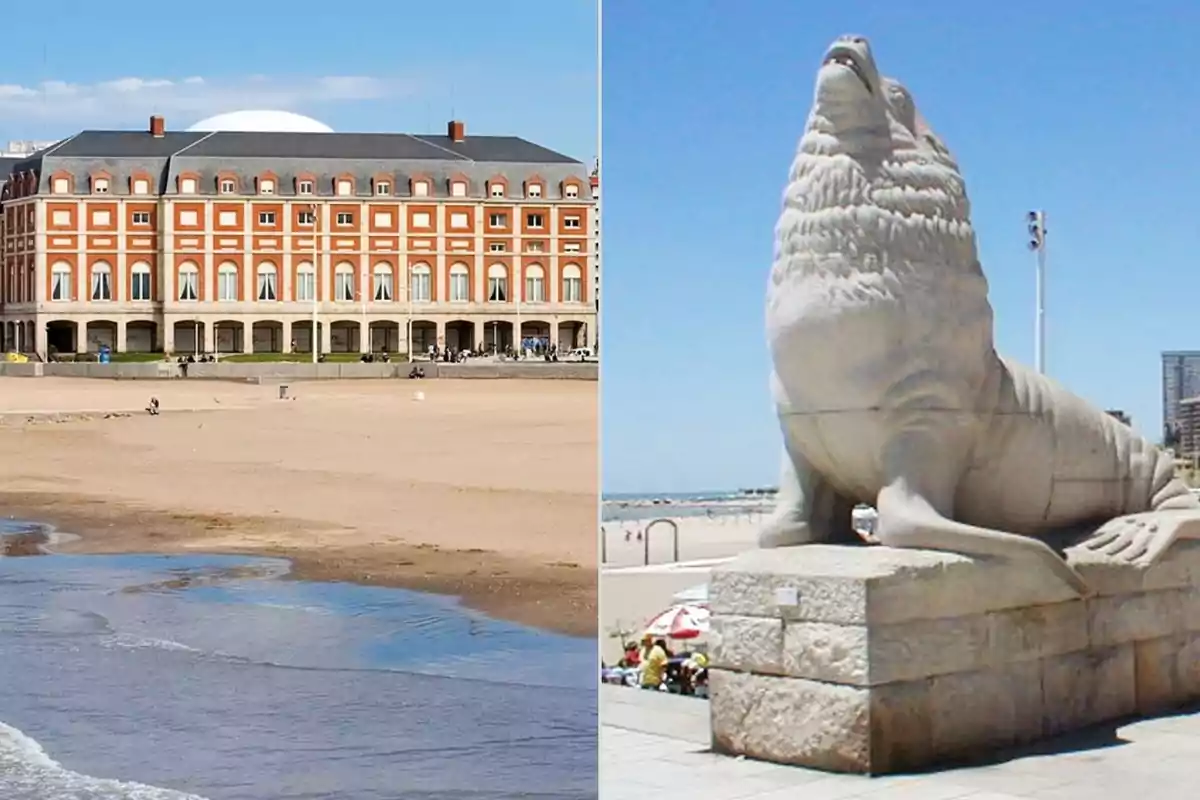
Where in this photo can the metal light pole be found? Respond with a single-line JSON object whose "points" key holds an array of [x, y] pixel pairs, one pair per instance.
{"points": [[316, 284], [1037, 243]]}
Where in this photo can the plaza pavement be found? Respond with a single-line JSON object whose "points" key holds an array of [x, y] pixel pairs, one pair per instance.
{"points": [[655, 745]]}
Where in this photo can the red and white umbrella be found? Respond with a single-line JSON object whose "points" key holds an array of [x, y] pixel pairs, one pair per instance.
{"points": [[683, 621]]}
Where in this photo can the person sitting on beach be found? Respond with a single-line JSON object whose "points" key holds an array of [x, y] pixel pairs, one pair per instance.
{"points": [[654, 665]]}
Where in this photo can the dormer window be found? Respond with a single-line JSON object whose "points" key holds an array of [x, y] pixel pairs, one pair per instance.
{"points": [[61, 185], [458, 189], [139, 185], [304, 187], [420, 188], [533, 190], [383, 188], [497, 189], [266, 186], [571, 191], [187, 185], [228, 186], [99, 185], [344, 187]]}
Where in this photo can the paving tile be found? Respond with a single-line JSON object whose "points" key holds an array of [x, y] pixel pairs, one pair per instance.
{"points": [[667, 753], [830, 787]]}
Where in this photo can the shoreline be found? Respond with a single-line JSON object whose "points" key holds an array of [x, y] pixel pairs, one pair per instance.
{"points": [[556, 598]]}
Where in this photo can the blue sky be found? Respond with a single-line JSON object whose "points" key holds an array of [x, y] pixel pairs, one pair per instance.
{"points": [[516, 67], [1089, 110]]}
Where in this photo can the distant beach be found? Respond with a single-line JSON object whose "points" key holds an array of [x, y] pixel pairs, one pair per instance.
{"points": [[351, 480]]}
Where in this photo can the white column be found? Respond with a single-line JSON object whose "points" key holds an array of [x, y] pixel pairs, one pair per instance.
{"points": [[286, 344], [166, 260], [120, 286], [122, 336], [209, 278], [248, 336]]}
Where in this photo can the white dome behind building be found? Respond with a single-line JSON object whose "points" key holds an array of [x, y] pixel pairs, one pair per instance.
{"points": [[261, 122]]}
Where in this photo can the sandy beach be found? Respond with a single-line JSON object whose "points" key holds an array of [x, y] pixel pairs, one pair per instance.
{"points": [[700, 537], [485, 489]]}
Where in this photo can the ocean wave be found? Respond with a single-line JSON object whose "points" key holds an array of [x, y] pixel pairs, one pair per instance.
{"points": [[131, 642], [28, 773]]}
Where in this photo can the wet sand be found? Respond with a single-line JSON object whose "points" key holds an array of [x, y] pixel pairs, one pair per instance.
{"points": [[485, 489]]}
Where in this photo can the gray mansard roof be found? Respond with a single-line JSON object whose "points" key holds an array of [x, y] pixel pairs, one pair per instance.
{"points": [[323, 156]]}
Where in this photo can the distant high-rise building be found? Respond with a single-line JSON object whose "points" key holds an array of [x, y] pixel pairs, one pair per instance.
{"points": [[1180, 381]]}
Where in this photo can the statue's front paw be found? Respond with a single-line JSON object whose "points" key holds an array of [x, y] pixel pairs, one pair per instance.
{"points": [[1135, 538], [785, 533]]}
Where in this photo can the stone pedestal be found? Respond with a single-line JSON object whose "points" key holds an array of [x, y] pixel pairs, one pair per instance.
{"points": [[874, 660]]}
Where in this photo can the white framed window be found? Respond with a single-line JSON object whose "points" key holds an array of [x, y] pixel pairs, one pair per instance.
{"points": [[383, 219], [497, 189], [139, 282], [228, 186], [228, 219], [422, 283], [227, 283], [61, 219], [345, 218], [571, 222], [187, 186], [497, 220], [268, 282], [458, 189], [61, 186], [141, 218], [383, 188], [571, 247], [459, 221], [266, 218], [101, 218], [420, 189], [535, 284], [141, 186], [534, 220], [344, 188], [570, 191], [188, 218], [304, 187], [382, 288], [533, 190], [266, 186], [460, 283], [497, 283], [498, 247], [305, 218], [343, 283], [420, 219], [572, 288], [306, 282], [535, 247], [189, 282], [100, 185], [60, 281]]}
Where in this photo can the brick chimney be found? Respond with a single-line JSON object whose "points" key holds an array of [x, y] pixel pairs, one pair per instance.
{"points": [[456, 130], [158, 127]]}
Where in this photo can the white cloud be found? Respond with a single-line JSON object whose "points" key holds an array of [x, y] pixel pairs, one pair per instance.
{"points": [[123, 102]]}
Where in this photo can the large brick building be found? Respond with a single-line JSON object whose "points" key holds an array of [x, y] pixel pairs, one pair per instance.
{"points": [[230, 241]]}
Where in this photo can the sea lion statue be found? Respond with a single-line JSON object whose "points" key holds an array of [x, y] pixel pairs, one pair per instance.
{"points": [[886, 380]]}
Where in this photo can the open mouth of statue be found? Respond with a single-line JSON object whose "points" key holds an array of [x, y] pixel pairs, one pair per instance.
{"points": [[845, 57]]}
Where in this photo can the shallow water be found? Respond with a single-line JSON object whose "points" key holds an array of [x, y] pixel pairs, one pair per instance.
{"points": [[209, 676]]}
